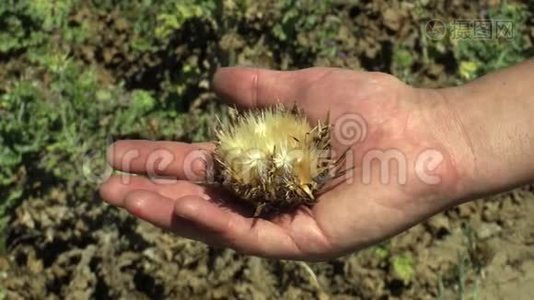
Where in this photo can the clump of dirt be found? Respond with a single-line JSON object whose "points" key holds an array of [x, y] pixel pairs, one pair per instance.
{"points": [[60, 247]]}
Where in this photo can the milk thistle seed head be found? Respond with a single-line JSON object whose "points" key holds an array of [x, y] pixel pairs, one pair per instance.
{"points": [[273, 158]]}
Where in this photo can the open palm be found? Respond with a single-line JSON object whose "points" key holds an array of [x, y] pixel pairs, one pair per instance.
{"points": [[404, 167]]}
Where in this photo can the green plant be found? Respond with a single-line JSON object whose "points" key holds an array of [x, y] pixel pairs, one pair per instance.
{"points": [[401, 63], [505, 47], [403, 266], [171, 19], [309, 27], [57, 113]]}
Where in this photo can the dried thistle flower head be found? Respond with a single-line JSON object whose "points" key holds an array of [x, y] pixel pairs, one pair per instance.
{"points": [[272, 158]]}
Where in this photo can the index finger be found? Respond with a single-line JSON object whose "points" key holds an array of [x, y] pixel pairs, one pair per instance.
{"points": [[160, 158], [255, 87]]}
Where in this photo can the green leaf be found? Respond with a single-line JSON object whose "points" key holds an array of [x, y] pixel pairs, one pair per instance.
{"points": [[403, 267]]}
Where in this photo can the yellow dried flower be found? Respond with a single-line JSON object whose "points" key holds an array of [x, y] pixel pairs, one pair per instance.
{"points": [[272, 158]]}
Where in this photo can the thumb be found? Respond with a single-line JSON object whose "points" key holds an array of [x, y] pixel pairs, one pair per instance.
{"points": [[254, 87]]}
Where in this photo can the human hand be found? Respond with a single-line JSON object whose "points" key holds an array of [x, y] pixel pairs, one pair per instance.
{"points": [[410, 159]]}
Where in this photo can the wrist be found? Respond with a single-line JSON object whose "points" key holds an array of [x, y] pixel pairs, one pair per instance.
{"points": [[496, 142], [444, 122], [462, 146]]}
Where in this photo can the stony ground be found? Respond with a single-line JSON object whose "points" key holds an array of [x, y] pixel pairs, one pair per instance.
{"points": [[59, 248]]}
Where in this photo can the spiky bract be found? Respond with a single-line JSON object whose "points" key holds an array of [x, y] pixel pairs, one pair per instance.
{"points": [[272, 158]]}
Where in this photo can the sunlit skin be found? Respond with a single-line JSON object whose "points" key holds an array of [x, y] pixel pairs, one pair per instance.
{"points": [[464, 124]]}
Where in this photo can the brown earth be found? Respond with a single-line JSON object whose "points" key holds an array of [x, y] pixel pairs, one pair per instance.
{"points": [[61, 249]]}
